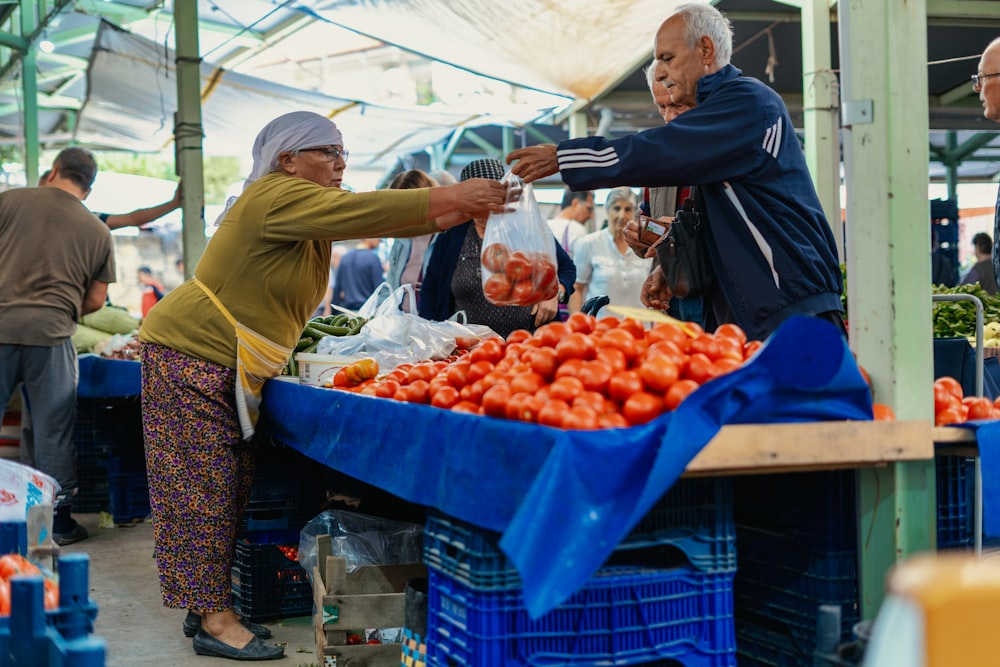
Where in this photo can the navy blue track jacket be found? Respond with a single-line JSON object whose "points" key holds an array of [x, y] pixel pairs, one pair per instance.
{"points": [[771, 247]]}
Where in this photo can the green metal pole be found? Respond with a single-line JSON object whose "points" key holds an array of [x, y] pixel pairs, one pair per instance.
{"points": [[883, 49], [29, 90], [188, 132]]}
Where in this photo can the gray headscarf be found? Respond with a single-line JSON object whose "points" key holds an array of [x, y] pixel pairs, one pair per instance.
{"points": [[289, 132]]}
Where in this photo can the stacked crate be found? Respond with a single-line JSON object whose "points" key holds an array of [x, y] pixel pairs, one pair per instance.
{"points": [[110, 458], [666, 593], [267, 580], [797, 536], [30, 635]]}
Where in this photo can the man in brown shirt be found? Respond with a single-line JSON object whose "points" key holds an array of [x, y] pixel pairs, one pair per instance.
{"points": [[56, 260]]}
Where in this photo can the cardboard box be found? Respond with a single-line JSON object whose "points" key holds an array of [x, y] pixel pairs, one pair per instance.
{"points": [[372, 596]]}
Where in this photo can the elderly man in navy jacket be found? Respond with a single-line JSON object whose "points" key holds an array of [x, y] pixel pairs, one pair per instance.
{"points": [[771, 248]]}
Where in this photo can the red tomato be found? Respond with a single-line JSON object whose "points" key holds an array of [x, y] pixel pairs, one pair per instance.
{"points": [[593, 400], [497, 287], [606, 323], [705, 344], [582, 322], [529, 382], [543, 361], [543, 274], [518, 266], [725, 365], [387, 389], [731, 331], [622, 340], [446, 397], [613, 357], [423, 372], [677, 392], [495, 400], [552, 412], [4, 597], [942, 397], [729, 348], [595, 375], [884, 413], [466, 406], [667, 331], [478, 370], [980, 408], [523, 293], [658, 373], [553, 332], [623, 384], [438, 382], [493, 378], [951, 385], [518, 336], [642, 407], [951, 415], [418, 391], [611, 420], [458, 374], [495, 257], [576, 346], [570, 368], [397, 375], [698, 368], [566, 388], [472, 392], [524, 407], [751, 348], [580, 418], [634, 327], [490, 350]]}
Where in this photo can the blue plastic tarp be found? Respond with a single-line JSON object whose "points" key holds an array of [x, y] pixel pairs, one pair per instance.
{"points": [[106, 378], [563, 499], [988, 442]]}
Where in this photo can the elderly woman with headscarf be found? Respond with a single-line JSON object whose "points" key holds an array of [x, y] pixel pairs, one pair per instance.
{"points": [[605, 266], [210, 344]]}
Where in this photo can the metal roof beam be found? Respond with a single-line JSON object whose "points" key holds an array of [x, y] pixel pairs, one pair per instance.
{"points": [[279, 33]]}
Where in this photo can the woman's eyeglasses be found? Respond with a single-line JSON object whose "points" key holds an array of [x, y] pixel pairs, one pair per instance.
{"points": [[330, 154], [978, 78]]}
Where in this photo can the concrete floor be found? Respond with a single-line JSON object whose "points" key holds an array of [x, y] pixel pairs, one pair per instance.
{"points": [[131, 618]]}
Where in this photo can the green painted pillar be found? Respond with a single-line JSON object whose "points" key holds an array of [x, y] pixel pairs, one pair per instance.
{"points": [[883, 47], [29, 94], [188, 132]]}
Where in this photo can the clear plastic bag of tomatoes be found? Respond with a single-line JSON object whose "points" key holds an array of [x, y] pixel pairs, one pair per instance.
{"points": [[519, 253]]}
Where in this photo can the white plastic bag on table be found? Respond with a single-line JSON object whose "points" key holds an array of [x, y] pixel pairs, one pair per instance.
{"points": [[22, 487], [519, 253], [394, 337]]}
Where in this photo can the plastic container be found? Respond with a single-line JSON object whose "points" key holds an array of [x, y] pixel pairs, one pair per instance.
{"points": [[622, 616], [266, 582], [318, 370]]}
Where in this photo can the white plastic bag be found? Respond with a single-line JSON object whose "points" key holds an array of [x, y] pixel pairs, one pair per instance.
{"points": [[519, 253], [22, 487]]}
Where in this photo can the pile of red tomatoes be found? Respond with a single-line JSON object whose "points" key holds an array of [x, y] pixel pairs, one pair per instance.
{"points": [[584, 373], [951, 406]]}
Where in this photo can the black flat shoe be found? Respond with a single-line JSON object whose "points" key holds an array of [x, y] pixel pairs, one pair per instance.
{"points": [[206, 644], [76, 534], [192, 622]]}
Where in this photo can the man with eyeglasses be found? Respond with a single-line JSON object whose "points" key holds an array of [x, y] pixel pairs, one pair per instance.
{"points": [[986, 82]]}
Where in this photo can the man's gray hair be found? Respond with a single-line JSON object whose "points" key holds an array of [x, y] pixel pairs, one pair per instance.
{"points": [[707, 21], [650, 71]]}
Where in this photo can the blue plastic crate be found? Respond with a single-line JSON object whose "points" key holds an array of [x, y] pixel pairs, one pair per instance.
{"points": [[694, 517], [784, 580], [956, 485], [622, 616], [266, 582], [818, 507], [129, 496], [58, 638], [93, 493], [760, 647]]}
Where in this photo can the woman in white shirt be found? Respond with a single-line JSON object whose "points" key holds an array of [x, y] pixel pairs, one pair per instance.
{"points": [[605, 265]]}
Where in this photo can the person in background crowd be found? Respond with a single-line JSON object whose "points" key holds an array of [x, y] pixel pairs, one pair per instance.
{"points": [[406, 258], [358, 275], [604, 264], [982, 271], [772, 251], [571, 224], [152, 289], [136, 218], [210, 344], [56, 261], [661, 203], [337, 253], [943, 271], [986, 82], [453, 276]]}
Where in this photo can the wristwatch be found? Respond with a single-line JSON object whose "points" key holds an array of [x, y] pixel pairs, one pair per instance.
{"points": [[561, 297]]}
